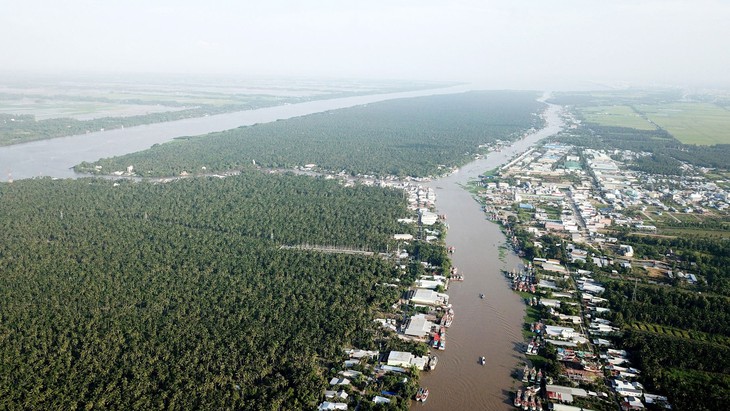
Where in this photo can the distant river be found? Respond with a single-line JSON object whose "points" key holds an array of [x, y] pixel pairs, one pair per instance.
{"points": [[490, 327], [55, 157]]}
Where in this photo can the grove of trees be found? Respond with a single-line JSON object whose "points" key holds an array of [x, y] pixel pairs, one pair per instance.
{"points": [[406, 137], [125, 295]]}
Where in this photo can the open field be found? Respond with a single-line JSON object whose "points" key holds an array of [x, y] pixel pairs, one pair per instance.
{"points": [[691, 123], [616, 116], [85, 99], [702, 225], [41, 108], [701, 119], [79, 110]]}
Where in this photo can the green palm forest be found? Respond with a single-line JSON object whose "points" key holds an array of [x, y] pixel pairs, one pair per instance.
{"points": [[139, 296], [406, 137]]}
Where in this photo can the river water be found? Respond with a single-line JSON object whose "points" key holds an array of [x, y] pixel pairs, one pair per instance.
{"points": [[490, 327], [55, 157]]}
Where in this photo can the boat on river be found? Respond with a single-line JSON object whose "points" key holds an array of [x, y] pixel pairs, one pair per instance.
{"points": [[432, 361], [448, 317], [436, 340], [422, 394], [482, 360]]}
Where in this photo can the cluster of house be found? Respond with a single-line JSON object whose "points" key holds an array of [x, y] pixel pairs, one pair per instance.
{"points": [[577, 339], [396, 362], [621, 187], [576, 196], [419, 197], [692, 192], [336, 397], [428, 325]]}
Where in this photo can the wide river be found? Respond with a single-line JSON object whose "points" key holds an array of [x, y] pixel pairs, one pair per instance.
{"points": [[490, 327], [55, 157]]}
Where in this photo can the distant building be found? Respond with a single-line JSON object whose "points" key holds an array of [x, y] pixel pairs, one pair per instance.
{"points": [[564, 394]]}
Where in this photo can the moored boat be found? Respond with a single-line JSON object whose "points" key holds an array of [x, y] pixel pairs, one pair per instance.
{"points": [[422, 394], [526, 402], [436, 340], [433, 360], [448, 318]]}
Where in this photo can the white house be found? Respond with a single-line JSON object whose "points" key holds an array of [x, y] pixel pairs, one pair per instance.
{"points": [[419, 326], [339, 381], [427, 217], [332, 406], [406, 360], [381, 400], [400, 359], [429, 297]]}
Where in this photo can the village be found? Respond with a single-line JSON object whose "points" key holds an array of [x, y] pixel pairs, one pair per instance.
{"points": [[554, 191], [418, 320], [558, 200]]}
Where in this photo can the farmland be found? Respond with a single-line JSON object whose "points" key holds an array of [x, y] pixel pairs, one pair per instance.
{"points": [[47, 108], [44, 109], [691, 123], [692, 119], [616, 116]]}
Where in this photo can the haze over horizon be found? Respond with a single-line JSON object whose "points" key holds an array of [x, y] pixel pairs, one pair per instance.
{"points": [[500, 44]]}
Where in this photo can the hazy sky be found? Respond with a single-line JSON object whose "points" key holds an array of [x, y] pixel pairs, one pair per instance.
{"points": [[505, 44]]}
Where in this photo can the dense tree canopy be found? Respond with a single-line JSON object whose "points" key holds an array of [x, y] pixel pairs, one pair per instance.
{"points": [[137, 295], [693, 373], [416, 137], [671, 307]]}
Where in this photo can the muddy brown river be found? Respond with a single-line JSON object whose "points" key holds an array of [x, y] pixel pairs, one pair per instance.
{"points": [[489, 327]]}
